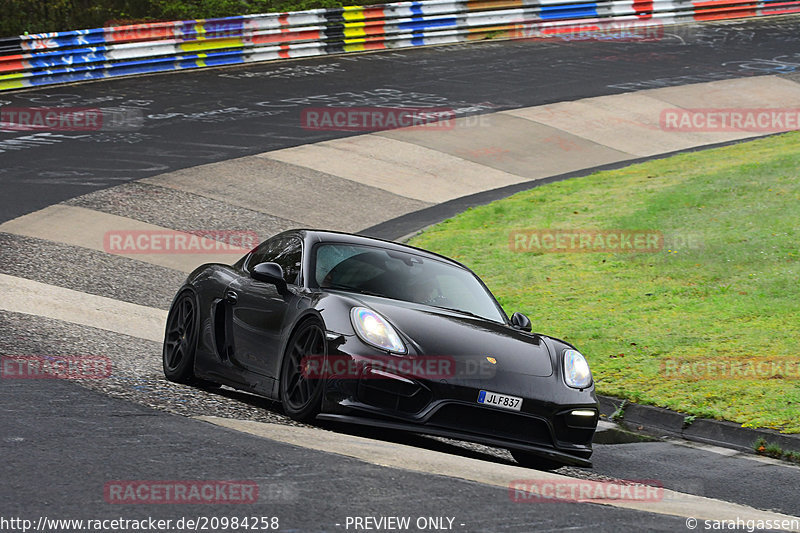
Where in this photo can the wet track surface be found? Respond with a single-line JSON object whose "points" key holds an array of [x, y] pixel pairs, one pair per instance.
{"points": [[103, 439], [191, 118]]}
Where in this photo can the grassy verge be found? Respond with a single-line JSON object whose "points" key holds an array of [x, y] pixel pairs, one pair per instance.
{"points": [[762, 447], [650, 323]]}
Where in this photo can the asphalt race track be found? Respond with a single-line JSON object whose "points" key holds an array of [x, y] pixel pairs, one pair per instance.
{"points": [[62, 442], [191, 118]]}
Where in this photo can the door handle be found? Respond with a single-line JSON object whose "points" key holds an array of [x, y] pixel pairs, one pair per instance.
{"points": [[231, 297]]}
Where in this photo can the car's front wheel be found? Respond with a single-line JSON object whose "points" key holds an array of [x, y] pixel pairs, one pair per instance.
{"points": [[529, 460], [301, 394], [180, 338]]}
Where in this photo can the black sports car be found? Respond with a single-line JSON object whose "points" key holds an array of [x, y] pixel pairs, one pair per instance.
{"points": [[349, 328]]}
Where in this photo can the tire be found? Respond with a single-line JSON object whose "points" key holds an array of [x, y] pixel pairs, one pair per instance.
{"points": [[180, 338], [302, 397], [529, 460]]}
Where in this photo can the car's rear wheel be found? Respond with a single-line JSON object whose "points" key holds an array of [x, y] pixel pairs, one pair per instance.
{"points": [[301, 395], [180, 338], [529, 460]]}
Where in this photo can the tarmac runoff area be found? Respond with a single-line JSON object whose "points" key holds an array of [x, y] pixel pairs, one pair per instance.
{"points": [[521, 482], [391, 173]]}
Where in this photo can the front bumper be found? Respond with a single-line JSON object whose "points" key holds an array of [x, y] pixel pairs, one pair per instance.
{"points": [[447, 407], [542, 451]]}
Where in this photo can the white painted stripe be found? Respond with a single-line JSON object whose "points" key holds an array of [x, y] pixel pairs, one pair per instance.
{"points": [[740, 93], [296, 193], [400, 167], [87, 228], [629, 123], [22, 295], [405, 457], [504, 143]]}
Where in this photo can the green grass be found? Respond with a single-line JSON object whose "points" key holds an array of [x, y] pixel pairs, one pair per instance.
{"points": [[762, 447], [736, 298]]}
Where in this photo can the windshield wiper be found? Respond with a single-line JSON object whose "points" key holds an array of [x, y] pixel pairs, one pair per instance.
{"points": [[354, 289], [462, 312]]}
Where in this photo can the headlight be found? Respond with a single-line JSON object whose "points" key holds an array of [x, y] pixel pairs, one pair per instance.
{"points": [[576, 370], [373, 329]]}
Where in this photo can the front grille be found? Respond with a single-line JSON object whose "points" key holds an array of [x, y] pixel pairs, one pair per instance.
{"points": [[388, 394], [492, 423]]}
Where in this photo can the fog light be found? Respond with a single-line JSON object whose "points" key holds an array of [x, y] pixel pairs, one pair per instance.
{"points": [[582, 412]]}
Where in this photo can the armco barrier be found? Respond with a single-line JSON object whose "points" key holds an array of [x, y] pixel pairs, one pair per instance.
{"points": [[78, 55]]}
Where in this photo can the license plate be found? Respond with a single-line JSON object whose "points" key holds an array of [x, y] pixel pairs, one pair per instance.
{"points": [[503, 401]]}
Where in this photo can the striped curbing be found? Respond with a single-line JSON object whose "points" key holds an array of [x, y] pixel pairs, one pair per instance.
{"points": [[484, 152], [394, 172], [40, 299], [95, 230], [629, 123], [81, 55], [523, 148], [270, 186], [413, 170]]}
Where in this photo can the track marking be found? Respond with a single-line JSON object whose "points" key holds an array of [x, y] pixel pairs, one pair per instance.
{"points": [[22, 295], [627, 122], [500, 142], [405, 457], [270, 186], [87, 228], [400, 167], [748, 92]]}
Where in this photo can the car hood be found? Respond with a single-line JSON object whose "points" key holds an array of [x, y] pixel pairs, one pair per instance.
{"points": [[440, 332]]}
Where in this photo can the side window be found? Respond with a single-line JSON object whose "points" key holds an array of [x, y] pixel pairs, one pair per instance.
{"points": [[288, 253], [259, 254], [290, 258]]}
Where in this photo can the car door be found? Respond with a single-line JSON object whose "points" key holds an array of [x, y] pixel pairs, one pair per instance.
{"points": [[259, 312]]}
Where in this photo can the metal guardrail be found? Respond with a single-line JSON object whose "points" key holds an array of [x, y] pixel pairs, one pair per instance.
{"points": [[79, 55]]}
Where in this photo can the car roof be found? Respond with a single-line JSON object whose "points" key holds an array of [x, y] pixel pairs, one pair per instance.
{"points": [[313, 236]]}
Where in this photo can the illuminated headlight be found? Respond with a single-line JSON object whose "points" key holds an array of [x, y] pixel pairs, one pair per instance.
{"points": [[576, 370], [373, 329]]}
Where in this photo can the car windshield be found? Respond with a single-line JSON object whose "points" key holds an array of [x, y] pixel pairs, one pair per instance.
{"points": [[403, 276]]}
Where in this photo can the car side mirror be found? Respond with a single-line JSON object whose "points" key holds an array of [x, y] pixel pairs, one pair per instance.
{"points": [[270, 273], [520, 321]]}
